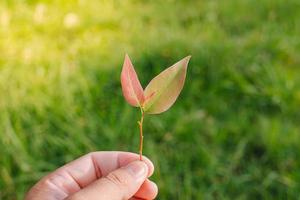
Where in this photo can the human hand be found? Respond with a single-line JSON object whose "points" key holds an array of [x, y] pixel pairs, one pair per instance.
{"points": [[103, 175]]}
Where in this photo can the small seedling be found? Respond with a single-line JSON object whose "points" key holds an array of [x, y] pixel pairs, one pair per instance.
{"points": [[159, 95]]}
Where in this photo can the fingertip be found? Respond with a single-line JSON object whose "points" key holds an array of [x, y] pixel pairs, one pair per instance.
{"points": [[138, 170], [126, 157], [148, 190], [149, 164], [154, 189]]}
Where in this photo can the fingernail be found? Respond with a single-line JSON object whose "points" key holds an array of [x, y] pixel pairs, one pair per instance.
{"points": [[137, 169]]}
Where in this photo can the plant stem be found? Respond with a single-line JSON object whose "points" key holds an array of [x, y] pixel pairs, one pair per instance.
{"points": [[141, 134]]}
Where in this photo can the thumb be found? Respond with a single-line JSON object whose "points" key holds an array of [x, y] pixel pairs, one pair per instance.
{"points": [[120, 184]]}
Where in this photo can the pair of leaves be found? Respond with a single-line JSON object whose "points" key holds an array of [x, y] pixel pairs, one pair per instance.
{"points": [[162, 91]]}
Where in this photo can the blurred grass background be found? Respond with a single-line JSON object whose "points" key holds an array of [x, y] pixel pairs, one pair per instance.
{"points": [[234, 132]]}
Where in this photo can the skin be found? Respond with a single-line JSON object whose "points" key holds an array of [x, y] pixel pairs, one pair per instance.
{"points": [[99, 175]]}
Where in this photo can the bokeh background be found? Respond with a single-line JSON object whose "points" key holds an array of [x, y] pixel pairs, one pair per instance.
{"points": [[234, 132]]}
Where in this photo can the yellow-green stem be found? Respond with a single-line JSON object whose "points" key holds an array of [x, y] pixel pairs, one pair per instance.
{"points": [[141, 134]]}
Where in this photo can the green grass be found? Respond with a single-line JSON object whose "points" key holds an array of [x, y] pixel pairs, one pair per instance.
{"points": [[234, 132]]}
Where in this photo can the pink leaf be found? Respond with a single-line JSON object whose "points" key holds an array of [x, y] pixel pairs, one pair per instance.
{"points": [[163, 90], [131, 86]]}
